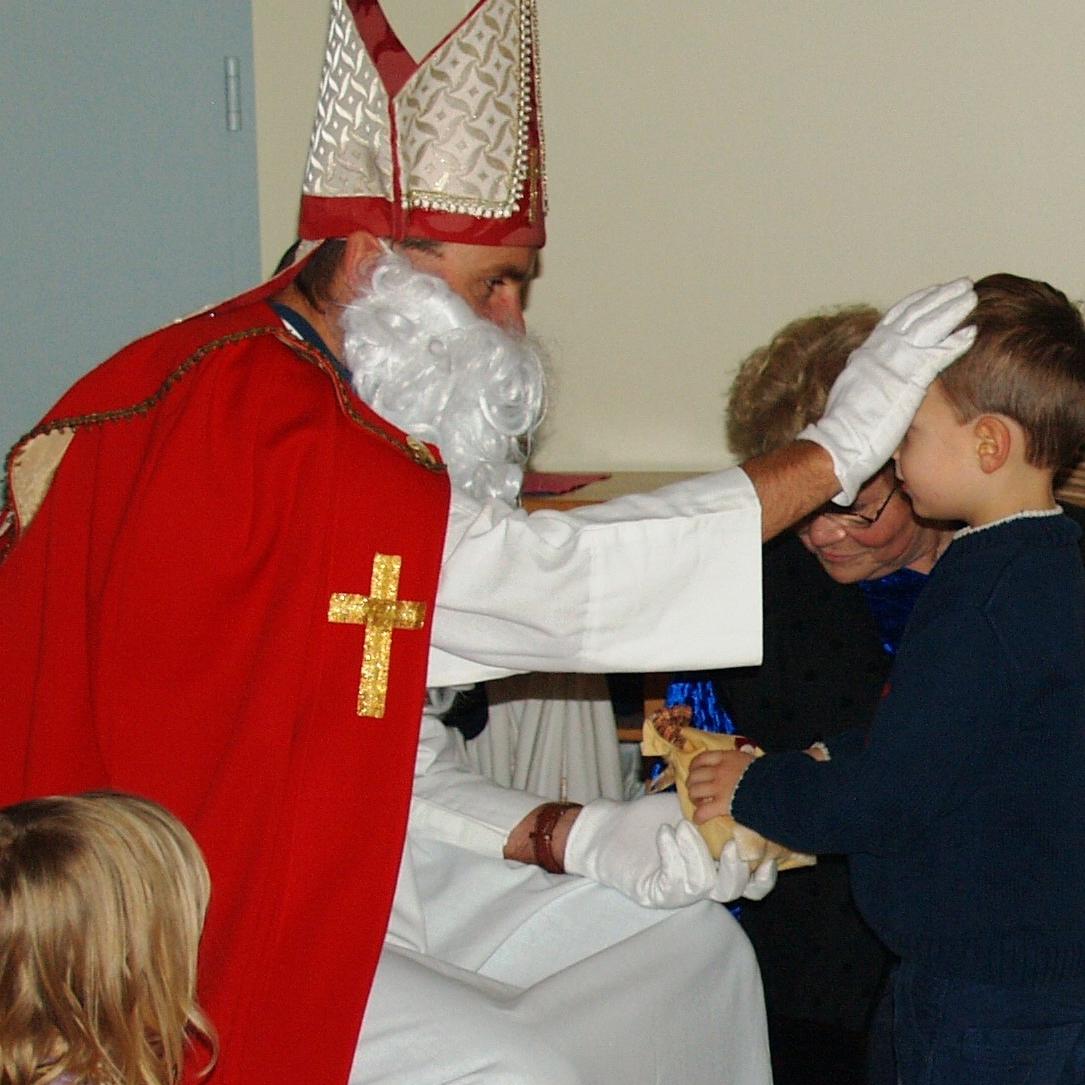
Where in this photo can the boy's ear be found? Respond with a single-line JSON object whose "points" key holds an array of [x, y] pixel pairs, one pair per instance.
{"points": [[993, 442]]}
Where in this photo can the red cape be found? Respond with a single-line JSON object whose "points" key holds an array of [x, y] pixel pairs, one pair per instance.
{"points": [[165, 631]]}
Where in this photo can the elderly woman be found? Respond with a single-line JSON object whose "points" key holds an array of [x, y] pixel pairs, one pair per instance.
{"points": [[777, 391], [828, 643]]}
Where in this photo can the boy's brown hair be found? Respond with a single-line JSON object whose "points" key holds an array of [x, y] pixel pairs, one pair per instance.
{"points": [[1028, 363]]}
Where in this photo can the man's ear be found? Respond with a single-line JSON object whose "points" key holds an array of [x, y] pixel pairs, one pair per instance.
{"points": [[993, 442], [362, 250]]}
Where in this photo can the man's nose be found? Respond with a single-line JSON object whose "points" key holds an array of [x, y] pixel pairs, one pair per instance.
{"points": [[508, 313]]}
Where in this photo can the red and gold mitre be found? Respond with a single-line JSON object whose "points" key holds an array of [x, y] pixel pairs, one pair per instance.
{"points": [[449, 148]]}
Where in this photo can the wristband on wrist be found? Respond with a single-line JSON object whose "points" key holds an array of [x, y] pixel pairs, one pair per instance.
{"points": [[542, 836]]}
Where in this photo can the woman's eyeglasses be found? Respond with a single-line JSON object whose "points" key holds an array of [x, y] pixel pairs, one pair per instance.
{"points": [[848, 517]]}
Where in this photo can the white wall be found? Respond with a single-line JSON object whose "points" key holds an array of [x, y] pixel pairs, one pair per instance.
{"points": [[715, 175]]}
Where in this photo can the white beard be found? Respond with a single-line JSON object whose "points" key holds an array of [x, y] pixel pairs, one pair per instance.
{"points": [[421, 358]]}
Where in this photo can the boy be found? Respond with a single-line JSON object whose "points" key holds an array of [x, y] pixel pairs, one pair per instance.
{"points": [[962, 814]]}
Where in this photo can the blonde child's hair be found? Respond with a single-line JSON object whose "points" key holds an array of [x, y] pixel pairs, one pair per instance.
{"points": [[102, 902]]}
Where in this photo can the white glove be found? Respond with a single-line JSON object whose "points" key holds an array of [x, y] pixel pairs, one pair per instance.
{"points": [[872, 402], [648, 851], [762, 880], [734, 879], [644, 848]]}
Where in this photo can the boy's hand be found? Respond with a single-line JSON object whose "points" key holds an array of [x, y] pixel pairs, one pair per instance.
{"points": [[713, 776]]}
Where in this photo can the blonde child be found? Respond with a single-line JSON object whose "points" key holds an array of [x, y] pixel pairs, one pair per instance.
{"points": [[102, 901], [962, 814]]}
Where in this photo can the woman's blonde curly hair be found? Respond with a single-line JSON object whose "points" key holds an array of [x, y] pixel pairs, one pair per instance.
{"points": [[782, 386]]}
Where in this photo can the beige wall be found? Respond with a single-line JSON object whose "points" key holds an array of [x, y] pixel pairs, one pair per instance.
{"points": [[712, 178]]}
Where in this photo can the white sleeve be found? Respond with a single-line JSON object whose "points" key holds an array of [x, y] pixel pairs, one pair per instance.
{"points": [[453, 804], [669, 580]]}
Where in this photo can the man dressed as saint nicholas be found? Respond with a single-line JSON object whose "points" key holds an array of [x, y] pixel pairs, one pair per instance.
{"points": [[251, 585]]}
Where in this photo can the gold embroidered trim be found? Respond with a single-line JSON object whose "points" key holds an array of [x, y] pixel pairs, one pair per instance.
{"points": [[10, 511], [11, 526], [121, 414], [532, 185], [413, 448], [536, 73], [380, 612]]}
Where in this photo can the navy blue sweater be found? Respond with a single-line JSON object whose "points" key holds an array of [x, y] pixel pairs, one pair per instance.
{"points": [[963, 811]]}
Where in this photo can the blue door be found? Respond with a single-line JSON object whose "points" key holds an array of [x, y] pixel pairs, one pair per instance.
{"points": [[128, 196]]}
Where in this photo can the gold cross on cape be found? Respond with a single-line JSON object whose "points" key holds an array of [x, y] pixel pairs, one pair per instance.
{"points": [[380, 612]]}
